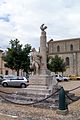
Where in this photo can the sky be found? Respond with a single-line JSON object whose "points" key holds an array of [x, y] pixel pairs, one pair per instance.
{"points": [[22, 19]]}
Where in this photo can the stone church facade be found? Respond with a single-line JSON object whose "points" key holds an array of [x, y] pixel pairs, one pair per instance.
{"points": [[69, 50]]}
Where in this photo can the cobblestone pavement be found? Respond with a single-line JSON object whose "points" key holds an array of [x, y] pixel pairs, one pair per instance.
{"points": [[18, 112]]}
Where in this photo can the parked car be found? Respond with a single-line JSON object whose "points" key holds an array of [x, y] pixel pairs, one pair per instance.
{"points": [[15, 82], [74, 77], [1, 79], [60, 78], [78, 77]]}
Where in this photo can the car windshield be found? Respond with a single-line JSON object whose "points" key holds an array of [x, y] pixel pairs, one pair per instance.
{"points": [[60, 75], [1, 77], [17, 78]]}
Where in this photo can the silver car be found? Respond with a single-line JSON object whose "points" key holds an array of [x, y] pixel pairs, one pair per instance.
{"points": [[15, 82]]}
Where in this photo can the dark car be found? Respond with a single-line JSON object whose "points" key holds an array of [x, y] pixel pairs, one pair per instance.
{"points": [[1, 79]]}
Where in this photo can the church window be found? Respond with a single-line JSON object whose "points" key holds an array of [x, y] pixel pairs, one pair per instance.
{"points": [[71, 47], [58, 48], [67, 61]]}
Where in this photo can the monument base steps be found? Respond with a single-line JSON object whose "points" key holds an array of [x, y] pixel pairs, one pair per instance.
{"points": [[41, 85]]}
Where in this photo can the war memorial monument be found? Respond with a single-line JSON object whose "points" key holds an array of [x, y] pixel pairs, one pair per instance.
{"points": [[41, 82]]}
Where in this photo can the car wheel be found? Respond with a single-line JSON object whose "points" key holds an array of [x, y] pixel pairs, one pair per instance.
{"points": [[65, 80], [23, 85], [78, 78], [5, 84], [58, 80]]}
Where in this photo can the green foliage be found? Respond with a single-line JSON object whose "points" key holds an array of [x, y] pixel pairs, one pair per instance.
{"points": [[26, 58], [56, 64], [8, 58], [17, 57]]}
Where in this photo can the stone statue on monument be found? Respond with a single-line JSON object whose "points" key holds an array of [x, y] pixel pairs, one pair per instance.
{"points": [[35, 62], [42, 27]]}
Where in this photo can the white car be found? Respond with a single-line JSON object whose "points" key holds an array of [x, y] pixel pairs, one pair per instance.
{"points": [[60, 78], [15, 82]]}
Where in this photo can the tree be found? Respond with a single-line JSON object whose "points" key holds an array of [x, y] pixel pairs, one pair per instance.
{"points": [[16, 56], [56, 64], [26, 58]]}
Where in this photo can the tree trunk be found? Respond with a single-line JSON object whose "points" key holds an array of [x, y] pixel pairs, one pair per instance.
{"points": [[62, 73], [17, 72]]}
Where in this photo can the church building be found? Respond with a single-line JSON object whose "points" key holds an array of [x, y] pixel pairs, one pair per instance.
{"points": [[69, 50]]}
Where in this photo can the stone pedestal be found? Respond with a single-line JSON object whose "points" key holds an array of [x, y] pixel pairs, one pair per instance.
{"points": [[41, 84], [43, 80]]}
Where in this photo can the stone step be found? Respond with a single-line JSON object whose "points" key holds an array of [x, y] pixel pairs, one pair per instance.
{"points": [[37, 87], [36, 91], [52, 102]]}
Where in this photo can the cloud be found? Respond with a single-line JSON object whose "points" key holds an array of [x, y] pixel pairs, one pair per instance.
{"points": [[22, 20], [5, 18], [2, 2]]}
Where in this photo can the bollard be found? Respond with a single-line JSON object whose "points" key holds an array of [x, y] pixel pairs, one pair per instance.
{"points": [[62, 102], [63, 107]]}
